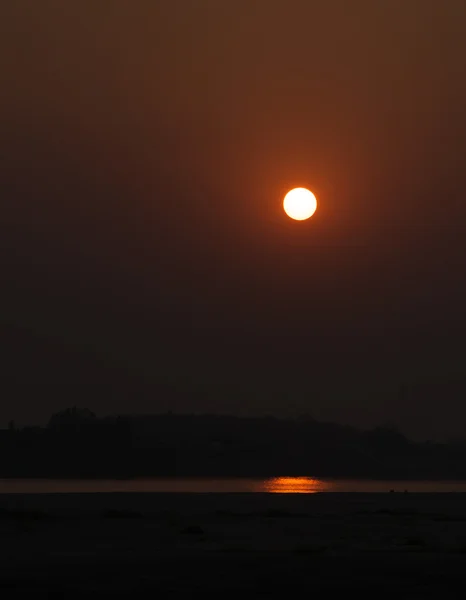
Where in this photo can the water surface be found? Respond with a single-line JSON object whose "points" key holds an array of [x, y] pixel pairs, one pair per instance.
{"points": [[274, 485]]}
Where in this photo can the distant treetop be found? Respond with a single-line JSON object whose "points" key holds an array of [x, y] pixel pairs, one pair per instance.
{"points": [[70, 417]]}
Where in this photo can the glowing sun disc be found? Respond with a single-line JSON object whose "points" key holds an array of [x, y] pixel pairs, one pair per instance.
{"points": [[300, 204]]}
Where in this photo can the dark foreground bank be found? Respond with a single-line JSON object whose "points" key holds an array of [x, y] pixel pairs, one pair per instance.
{"points": [[379, 545]]}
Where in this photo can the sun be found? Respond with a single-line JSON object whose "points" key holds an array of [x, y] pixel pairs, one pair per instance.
{"points": [[300, 204]]}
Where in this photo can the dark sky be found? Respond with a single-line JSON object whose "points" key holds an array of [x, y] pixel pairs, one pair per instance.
{"points": [[146, 261]]}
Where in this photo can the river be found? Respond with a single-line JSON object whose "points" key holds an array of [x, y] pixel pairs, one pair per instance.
{"points": [[274, 485]]}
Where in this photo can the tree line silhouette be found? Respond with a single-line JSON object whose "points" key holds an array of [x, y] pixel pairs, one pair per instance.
{"points": [[76, 443]]}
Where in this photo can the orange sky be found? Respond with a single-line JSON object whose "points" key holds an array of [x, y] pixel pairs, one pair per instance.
{"points": [[146, 149]]}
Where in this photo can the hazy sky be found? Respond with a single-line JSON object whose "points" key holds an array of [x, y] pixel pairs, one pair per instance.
{"points": [[145, 149]]}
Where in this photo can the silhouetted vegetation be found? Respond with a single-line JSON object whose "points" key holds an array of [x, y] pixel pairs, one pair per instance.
{"points": [[76, 443]]}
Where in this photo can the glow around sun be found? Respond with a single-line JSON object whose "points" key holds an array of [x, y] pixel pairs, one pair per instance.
{"points": [[300, 204]]}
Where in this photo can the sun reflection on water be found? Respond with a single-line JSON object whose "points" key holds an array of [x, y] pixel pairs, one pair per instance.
{"points": [[293, 485]]}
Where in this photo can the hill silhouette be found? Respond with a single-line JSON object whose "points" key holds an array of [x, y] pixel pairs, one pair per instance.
{"points": [[77, 444]]}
